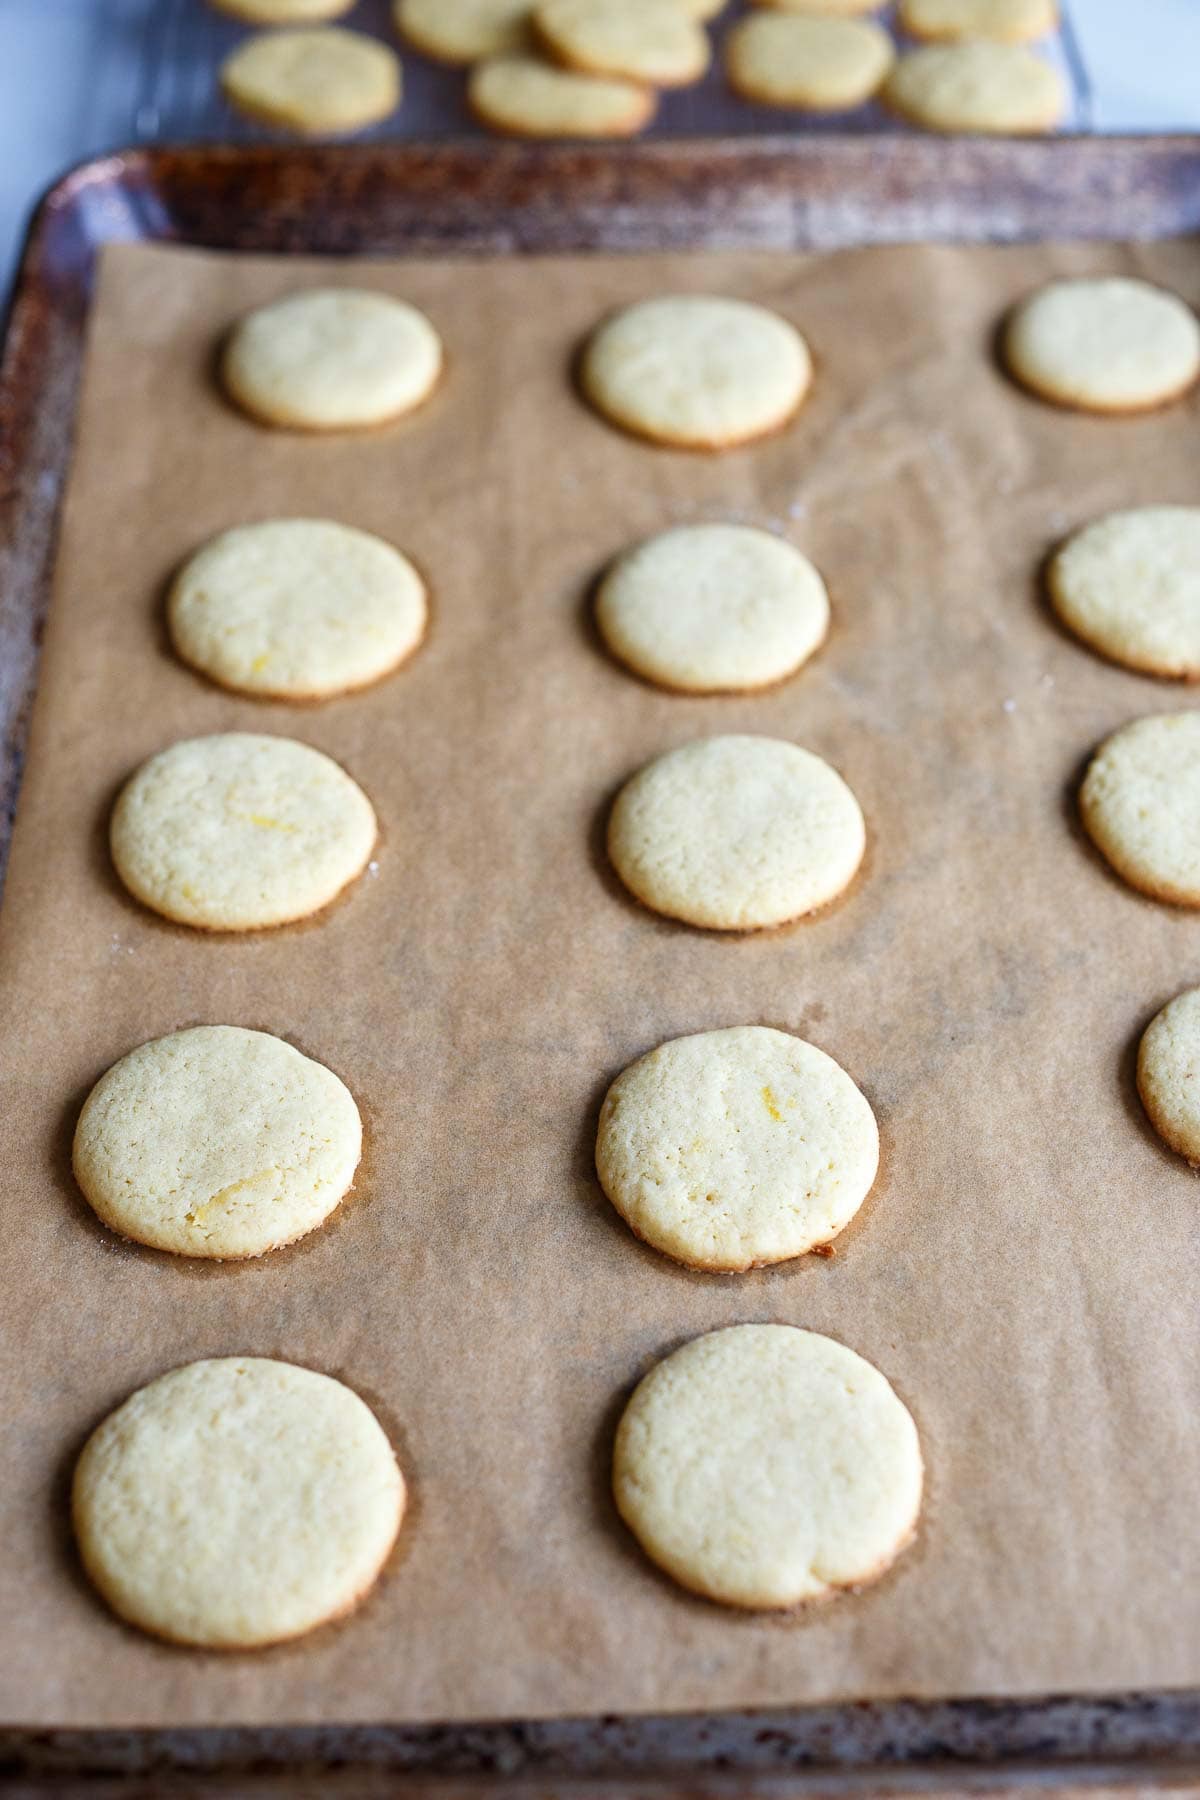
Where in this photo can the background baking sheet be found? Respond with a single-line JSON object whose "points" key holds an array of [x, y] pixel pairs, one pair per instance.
{"points": [[1025, 1270]]}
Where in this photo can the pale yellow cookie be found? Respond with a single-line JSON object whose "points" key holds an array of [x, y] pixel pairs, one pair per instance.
{"points": [[464, 31], [523, 96], [762, 1466], [1129, 585], [815, 64], [841, 9], [235, 832], [322, 82], [283, 12], [1168, 1074], [736, 833], [988, 89], [1008, 21], [237, 1503], [696, 372], [296, 609], [216, 1142], [710, 609], [654, 41], [732, 1149], [1107, 344], [1140, 802], [331, 359]]}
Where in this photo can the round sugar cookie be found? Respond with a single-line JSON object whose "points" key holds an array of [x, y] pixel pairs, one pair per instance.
{"points": [[237, 1503], [322, 82], [731, 1149], [236, 831], [331, 359], [1007, 21], [837, 9], [696, 372], [463, 31], [654, 41], [736, 833], [1129, 585], [762, 1466], [710, 609], [216, 1142], [977, 87], [1110, 344], [1140, 803], [1168, 1074], [296, 609], [283, 12], [523, 96], [815, 64]]}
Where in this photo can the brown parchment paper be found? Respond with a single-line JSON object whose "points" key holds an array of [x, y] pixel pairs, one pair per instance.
{"points": [[1026, 1268]]}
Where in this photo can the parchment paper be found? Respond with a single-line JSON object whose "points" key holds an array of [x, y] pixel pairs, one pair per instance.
{"points": [[1026, 1269]]}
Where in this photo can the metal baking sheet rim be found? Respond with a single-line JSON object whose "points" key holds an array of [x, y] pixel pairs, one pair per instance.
{"points": [[821, 193]]}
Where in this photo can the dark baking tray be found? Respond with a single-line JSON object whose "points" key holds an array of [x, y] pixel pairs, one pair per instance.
{"points": [[821, 193]]}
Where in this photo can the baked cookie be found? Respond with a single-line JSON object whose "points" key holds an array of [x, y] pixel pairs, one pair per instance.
{"points": [[296, 609], [736, 833], [837, 9], [322, 83], [1007, 21], [216, 1142], [1168, 1074], [236, 1503], [523, 96], [762, 1466], [696, 372], [815, 64], [283, 12], [732, 1149], [711, 609], [463, 31], [977, 87], [331, 359], [653, 41], [1129, 585], [1109, 344], [235, 832], [1140, 803]]}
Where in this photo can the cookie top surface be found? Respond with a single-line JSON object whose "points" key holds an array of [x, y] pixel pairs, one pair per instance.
{"points": [[283, 12], [838, 9], [320, 82], [655, 41], [526, 97], [1129, 585], [331, 359], [1140, 803], [296, 609], [977, 87], [708, 609], [464, 31], [696, 372], [1008, 21], [236, 1503], [1168, 1074], [763, 1466], [820, 64], [730, 1149], [1103, 344], [216, 1142], [236, 831], [736, 833]]}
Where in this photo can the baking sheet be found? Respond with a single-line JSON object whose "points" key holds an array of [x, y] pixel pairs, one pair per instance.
{"points": [[1026, 1267]]}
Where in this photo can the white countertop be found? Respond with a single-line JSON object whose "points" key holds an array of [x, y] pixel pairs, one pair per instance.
{"points": [[73, 71]]}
